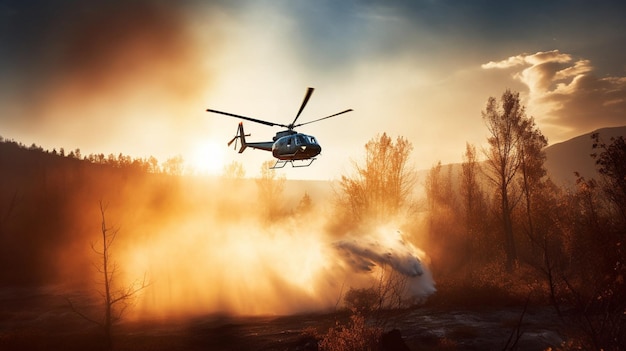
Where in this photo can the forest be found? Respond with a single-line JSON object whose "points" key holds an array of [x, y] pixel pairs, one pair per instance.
{"points": [[494, 232]]}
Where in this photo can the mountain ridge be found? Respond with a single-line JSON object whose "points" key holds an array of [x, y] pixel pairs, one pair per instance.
{"points": [[565, 158]]}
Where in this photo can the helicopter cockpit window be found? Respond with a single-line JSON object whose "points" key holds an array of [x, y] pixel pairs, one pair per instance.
{"points": [[289, 141], [312, 140], [301, 140]]}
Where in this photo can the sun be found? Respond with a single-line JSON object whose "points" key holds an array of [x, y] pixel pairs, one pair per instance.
{"points": [[207, 157]]}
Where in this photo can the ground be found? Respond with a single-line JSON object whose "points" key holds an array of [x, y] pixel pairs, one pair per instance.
{"points": [[40, 319]]}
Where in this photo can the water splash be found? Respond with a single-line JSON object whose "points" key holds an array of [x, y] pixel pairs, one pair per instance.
{"points": [[387, 247]]}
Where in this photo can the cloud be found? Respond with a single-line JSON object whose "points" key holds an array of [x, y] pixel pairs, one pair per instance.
{"points": [[564, 95], [510, 62]]}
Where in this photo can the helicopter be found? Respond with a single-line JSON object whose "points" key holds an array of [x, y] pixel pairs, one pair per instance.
{"points": [[287, 146]]}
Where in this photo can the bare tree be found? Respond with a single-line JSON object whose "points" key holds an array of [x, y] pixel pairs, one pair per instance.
{"points": [[382, 186], [507, 123], [532, 159], [116, 300]]}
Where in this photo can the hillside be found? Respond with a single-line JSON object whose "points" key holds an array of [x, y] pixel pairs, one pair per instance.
{"points": [[574, 155]]}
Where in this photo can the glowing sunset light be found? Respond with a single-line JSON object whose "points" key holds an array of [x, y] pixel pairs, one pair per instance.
{"points": [[207, 157]]}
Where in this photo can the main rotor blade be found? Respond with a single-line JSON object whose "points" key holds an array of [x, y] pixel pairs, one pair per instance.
{"points": [[317, 120], [309, 91], [247, 118]]}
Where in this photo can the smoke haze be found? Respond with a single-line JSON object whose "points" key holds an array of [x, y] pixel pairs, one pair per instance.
{"points": [[204, 244], [199, 263]]}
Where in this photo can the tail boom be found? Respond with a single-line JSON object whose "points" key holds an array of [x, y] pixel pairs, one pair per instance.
{"points": [[267, 146]]}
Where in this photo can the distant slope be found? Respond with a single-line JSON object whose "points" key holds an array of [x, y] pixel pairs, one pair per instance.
{"points": [[562, 160], [574, 155]]}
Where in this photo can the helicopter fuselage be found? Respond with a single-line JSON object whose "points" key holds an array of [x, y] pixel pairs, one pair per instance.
{"points": [[295, 146]]}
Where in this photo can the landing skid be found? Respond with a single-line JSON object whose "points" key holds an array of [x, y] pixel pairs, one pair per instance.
{"points": [[282, 163]]}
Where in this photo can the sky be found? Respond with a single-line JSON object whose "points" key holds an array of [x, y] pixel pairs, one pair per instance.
{"points": [[136, 77]]}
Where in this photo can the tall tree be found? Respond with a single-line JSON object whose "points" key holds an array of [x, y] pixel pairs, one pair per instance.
{"points": [[473, 201], [382, 186], [532, 159], [470, 189], [508, 125]]}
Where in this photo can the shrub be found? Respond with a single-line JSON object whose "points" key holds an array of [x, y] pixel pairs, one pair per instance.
{"points": [[362, 300], [357, 336]]}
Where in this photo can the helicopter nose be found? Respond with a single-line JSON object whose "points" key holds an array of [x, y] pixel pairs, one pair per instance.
{"points": [[314, 150]]}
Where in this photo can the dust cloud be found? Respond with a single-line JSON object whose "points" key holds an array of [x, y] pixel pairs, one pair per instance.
{"points": [[204, 244], [207, 247]]}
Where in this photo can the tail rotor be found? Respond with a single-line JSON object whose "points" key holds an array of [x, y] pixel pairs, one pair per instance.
{"points": [[234, 140], [240, 135]]}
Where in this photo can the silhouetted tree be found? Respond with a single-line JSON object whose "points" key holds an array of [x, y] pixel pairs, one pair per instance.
{"points": [[507, 123], [35, 147], [125, 161], [532, 159], [116, 301], [611, 162], [153, 165], [549, 237], [595, 278], [112, 160]]}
